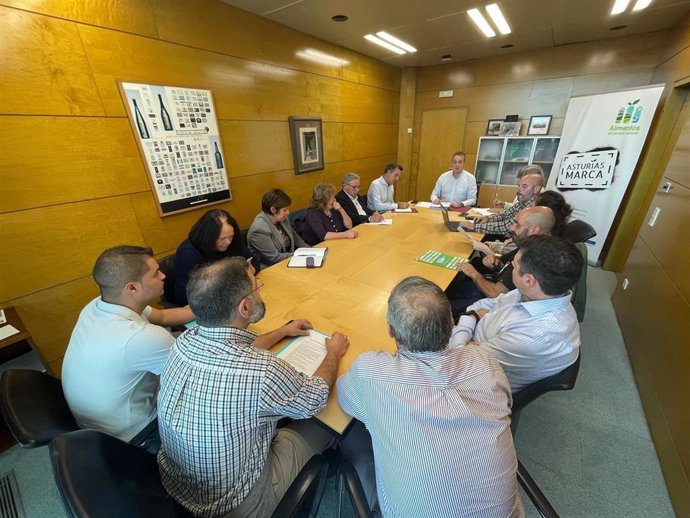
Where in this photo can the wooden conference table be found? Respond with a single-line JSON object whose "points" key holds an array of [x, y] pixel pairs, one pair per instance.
{"points": [[349, 293]]}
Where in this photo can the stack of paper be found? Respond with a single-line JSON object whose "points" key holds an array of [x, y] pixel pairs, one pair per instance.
{"points": [[299, 258]]}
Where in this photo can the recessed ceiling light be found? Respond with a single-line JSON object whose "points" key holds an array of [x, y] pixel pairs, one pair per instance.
{"points": [[618, 27], [507, 46], [395, 41], [498, 18], [641, 4], [384, 44], [339, 18], [481, 22], [619, 6]]}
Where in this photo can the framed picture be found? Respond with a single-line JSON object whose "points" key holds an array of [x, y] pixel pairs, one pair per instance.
{"points": [[539, 125], [509, 129], [306, 137], [493, 127]]}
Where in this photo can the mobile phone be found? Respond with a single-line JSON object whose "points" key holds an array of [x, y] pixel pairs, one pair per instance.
{"points": [[469, 217]]}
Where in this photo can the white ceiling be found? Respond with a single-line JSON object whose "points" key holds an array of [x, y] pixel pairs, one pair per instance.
{"points": [[438, 27]]}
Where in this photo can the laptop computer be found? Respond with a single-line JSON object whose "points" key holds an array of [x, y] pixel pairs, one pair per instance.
{"points": [[454, 226]]}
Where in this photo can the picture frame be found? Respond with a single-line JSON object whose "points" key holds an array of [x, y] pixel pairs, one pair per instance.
{"points": [[539, 125], [493, 127], [306, 137], [509, 129]]}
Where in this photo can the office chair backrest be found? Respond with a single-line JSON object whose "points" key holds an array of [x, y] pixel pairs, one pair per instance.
{"points": [[100, 476], [579, 298], [564, 380], [297, 220], [34, 407], [167, 266], [578, 231]]}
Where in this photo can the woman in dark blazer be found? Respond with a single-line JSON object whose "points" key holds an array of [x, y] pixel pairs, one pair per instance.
{"points": [[216, 235], [326, 219], [271, 238]]}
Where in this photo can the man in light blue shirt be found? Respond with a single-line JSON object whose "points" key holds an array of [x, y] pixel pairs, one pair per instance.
{"points": [[381, 193], [456, 187], [533, 330], [439, 418]]}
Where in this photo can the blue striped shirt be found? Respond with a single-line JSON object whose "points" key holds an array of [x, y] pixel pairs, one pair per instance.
{"points": [[440, 430], [531, 340]]}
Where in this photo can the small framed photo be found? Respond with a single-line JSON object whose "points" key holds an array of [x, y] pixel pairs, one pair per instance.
{"points": [[539, 125], [493, 127], [306, 137], [509, 129]]}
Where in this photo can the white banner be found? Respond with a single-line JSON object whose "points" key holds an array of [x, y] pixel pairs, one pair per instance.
{"points": [[601, 142]]}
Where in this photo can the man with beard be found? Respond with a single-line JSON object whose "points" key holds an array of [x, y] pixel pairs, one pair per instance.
{"points": [[473, 285], [222, 394]]}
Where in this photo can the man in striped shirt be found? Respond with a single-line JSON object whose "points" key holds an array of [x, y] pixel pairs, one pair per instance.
{"points": [[533, 330], [222, 394], [439, 418]]}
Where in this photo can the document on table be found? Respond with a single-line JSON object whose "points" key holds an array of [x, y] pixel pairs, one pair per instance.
{"points": [[483, 212], [382, 222], [305, 353], [429, 205], [299, 258], [7, 331]]}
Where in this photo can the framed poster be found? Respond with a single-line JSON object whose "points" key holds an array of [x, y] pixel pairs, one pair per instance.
{"points": [[306, 137], [493, 127], [539, 125], [509, 129], [177, 134]]}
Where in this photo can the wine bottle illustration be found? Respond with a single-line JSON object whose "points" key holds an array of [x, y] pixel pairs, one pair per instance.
{"points": [[165, 116], [141, 123], [219, 157]]}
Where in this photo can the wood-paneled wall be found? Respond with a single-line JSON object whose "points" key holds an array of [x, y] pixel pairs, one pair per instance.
{"points": [[73, 183], [533, 83]]}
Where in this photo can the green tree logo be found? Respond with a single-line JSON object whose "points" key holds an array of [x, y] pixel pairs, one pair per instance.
{"points": [[630, 113]]}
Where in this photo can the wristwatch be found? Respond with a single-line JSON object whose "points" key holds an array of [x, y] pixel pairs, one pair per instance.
{"points": [[472, 314]]}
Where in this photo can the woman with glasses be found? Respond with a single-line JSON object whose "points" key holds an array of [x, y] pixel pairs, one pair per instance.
{"points": [[326, 219], [216, 235], [271, 238]]}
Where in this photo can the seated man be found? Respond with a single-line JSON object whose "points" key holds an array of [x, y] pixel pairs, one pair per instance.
{"points": [[118, 347], [471, 284], [439, 418], [222, 394], [529, 185], [456, 187], [354, 204], [532, 331], [381, 191]]}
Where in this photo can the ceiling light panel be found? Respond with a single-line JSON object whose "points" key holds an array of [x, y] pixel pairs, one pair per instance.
{"points": [[384, 44], [395, 41], [481, 22], [641, 4], [619, 6], [498, 18]]}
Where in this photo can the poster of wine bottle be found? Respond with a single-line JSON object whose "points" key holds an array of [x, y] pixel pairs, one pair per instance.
{"points": [[176, 131]]}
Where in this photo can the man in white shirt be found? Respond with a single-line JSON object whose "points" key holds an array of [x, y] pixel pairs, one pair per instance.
{"points": [[381, 192], [119, 346], [533, 330], [456, 187]]}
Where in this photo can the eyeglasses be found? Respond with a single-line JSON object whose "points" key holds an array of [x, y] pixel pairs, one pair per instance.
{"points": [[259, 285], [356, 187]]}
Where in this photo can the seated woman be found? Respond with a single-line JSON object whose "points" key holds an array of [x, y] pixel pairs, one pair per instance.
{"points": [[326, 219], [271, 238], [215, 236]]}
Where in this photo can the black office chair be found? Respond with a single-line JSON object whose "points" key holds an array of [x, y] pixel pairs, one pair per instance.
{"points": [[578, 231], [100, 476], [34, 407], [579, 298], [167, 266], [297, 220], [535, 494]]}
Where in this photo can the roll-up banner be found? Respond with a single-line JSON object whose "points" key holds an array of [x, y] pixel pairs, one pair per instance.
{"points": [[602, 139]]}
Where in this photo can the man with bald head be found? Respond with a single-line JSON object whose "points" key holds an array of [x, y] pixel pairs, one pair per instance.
{"points": [[474, 285], [529, 185]]}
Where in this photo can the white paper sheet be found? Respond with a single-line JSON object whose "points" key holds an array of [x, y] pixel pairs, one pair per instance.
{"points": [[8, 330], [305, 353], [383, 222]]}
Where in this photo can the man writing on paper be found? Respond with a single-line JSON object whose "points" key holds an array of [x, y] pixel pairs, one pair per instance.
{"points": [[456, 187], [381, 191], [355, 205], [533, 330], [222, 394], [529, 185], [495, 273], [119, 345], [439, 418]]}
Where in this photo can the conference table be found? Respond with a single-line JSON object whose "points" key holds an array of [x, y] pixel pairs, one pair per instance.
{"points": [[349, 293]]}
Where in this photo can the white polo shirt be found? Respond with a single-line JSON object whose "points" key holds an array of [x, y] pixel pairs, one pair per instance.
{"points": [[111, 368]]}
